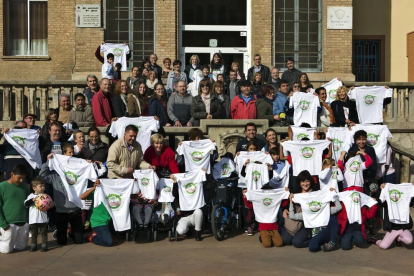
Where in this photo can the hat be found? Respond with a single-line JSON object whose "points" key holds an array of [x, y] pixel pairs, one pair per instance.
{"points": [[228, 155], [27, 115], [244, 83]]}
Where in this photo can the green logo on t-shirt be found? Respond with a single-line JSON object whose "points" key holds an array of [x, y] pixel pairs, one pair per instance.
{"points": [[395, 196], [354, 167], [19, 140], [315, 206], [332, 94], [197, 156], [372, 139], [190, 188], [307, 152], [225, 169], [334, 174], [71, 178], [301, 136], [256, 176], [304, 105], [356, 197], [337, 144], [145, 181], [114, 201], [267, 201], [117, 52], [167, 189], [369, 99]]}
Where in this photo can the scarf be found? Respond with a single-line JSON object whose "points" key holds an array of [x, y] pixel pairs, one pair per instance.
{"points": [[94, 148], [124, 99], [151, 84], [331, 115], [206, 100], [79, 109]]}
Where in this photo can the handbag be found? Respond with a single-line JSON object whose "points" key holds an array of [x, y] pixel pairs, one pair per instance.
{"points": [[164, 173], [293, 226]]}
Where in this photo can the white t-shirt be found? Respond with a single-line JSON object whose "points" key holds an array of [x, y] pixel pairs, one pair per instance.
{"points": [[74, 173], [341, 140], [298, 133], [26, 143], [253, 156], [119, 50], [115, 194], [165, 186], [329, 177], [353, 175], [369, 102], [377, 138], [280, 180], [223, 168], [196, 154], [331, 88], [190, 189], [145, 125], [147, 182], [353, 201], [315, 207], [306, 155], [306, 108], [35, 215], [398, 197], [256, 176], [266, 203]]}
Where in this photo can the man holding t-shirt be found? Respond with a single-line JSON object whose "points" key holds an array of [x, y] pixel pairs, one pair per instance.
{"points": [[250, 131], [54, 142]]}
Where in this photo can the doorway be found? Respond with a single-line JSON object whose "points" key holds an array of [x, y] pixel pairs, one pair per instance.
{"points": [[228, 58]]}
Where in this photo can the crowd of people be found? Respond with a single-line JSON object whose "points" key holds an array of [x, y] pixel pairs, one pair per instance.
{"points": [[310, 189]]}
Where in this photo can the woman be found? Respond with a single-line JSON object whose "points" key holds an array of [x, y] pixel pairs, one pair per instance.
{"points": [[344, 110], [152, 80], [119, 101], [296, 87], [218, 91], [305, 84], [264, 104], [257, 83], [192, 67], [145, 67], [158, 105], [240, 75], [167, 67], [51, 116], [271, 140], [137, 102], [133, 80], [161, 156], [205, 105], [325, 114], [216, 66], [94, 149], [174, 77]]}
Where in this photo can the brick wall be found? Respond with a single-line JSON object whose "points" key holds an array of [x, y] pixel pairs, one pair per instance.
{"points": [[262, 31], [166, 29]]}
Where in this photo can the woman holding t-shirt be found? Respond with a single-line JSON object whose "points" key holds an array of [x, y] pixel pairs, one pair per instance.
{"points": [[161, 156], [344, 110]]}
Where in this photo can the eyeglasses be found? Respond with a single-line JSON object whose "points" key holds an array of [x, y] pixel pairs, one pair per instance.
{"points": [[257, 59], [159, 89], [296, 86], [204, 85]]}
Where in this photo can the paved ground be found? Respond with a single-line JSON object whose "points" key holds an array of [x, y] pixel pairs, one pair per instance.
{"points": [[236, 255]]}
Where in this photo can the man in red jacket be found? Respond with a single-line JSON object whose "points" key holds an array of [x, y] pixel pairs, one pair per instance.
{"points": [[244, 105], [102, 105]]}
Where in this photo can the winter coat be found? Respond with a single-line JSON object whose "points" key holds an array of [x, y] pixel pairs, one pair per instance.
{"points": [[240, 110], [157, 109], [198, 109], [264, 108]]}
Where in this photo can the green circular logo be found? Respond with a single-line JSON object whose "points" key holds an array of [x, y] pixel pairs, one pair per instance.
{"points": [[256, 176], [304, 105], [19, 140], [332, 94], [225, 169], [369, 99], [145, 181], [301, 136], [197, 156], [395, 196], [71, 178], [334, 174], [315, 206], [190, 188], [372, 139], [307, 152], [114, 201], [267, 201], [167, 189], [354, 167], [356, 197], [336, 144], [117, 52]]}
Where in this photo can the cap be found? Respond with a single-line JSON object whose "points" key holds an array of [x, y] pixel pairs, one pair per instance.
{"points": [[244, 83], [228, 155], [33, 115]]}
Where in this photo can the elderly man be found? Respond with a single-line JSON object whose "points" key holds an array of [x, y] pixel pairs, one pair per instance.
{"points": [[93, 88], [179, 105], [291, 74], [155, 66], [102, 105], [125, 155], [274, 80], [81, 114], [30, 120], [62, 112], [244, 105], [258, 67]]}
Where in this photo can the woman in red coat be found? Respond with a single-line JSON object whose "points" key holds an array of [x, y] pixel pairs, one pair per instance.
{"points": [[161, 156]]}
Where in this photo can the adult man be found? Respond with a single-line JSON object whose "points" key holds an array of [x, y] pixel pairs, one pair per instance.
{"points": [[244, 105], [62, 112], [81, 114], [232, 87], [258, 67], [102, 105], [125, 155], [93, 88], [280, 103], [274, 80], [179, 105], [14, 228], [291, 74], [155, 66], [30, 120], [250, 131], [325, 113], [54, 143]]}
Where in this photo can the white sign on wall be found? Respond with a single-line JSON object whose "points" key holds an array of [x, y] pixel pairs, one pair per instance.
{"points": [[340, 18], [88, 16]]}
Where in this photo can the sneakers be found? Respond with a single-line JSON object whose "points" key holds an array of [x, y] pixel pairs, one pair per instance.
{"points": [[91, 236], [249, 231], [398, 243], [372, 240], [329, 246], [44, 247], [33, 248], [198, 236]]}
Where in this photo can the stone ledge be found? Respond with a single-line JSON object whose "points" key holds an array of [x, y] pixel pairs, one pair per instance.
{"points": [[27, 58]]}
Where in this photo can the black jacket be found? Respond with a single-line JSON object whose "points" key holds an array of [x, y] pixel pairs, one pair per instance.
{"points": [[100, 154], [46, 147], [187, 71], [264, 70], [198, 109], [256, 88], [338, 112], [89, 95], [242, 144], [224, 101], [120, 109], [156, 109]]}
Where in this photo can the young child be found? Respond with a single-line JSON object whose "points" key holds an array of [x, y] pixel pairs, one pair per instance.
{"points": [[14, 228], [330, 175], [79, 138], [37, 219], [108, 68], [353, 168]]}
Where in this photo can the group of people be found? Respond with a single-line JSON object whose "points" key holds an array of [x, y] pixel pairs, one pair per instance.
{"points": [[305, 190]]}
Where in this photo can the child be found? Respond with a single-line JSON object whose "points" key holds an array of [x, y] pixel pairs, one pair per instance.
{"points": [[353, 168], [14, 228], [79, 139], [37, 219], [66, 211], [108, 69], [330, 175]]}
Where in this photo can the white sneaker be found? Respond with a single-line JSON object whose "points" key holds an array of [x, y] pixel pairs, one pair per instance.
{"points": [[30, 234]]}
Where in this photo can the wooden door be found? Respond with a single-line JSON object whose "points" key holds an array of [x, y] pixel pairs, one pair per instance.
{"points": [[410, 55]]}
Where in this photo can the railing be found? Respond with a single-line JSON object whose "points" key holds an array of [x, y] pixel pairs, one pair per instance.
{"points": [[403, 163]]}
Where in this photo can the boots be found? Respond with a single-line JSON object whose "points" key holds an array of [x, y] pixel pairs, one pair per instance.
{"points": [[198, 236]]}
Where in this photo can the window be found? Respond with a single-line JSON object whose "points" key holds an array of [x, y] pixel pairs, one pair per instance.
{"points": [[26, 28], [131, 21], [298, 33]]}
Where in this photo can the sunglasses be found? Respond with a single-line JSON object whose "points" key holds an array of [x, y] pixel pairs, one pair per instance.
{"points": [[296, 86], [204, 85]]}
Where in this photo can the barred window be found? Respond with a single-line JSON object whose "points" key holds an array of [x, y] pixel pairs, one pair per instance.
{"points": [[298, 33], [131, 21]]}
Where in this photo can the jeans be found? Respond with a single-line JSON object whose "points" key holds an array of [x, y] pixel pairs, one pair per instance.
{"points": [[103, 237], [330, 233], [75, 220], [299, 240], [351, 234], [38, 228]]}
